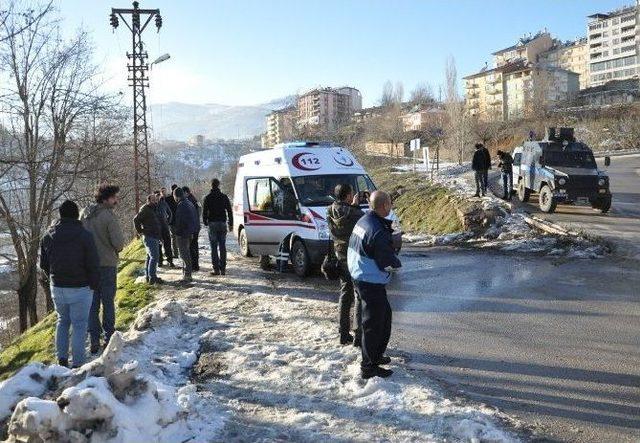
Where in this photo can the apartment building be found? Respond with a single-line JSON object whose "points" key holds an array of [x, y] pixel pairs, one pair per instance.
{"points": [[613, 46], [280, 126], [420, 118], [572, 56], [327, 108], [517, 82]]}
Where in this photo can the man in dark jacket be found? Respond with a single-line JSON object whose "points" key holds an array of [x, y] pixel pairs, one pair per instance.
{"points": [[480, 164], [193, 246], [506, 168], [164, 215], [217, 216], [69, 259], [173, 204], [342, 216], [148, 225], [185, 226], [371, 259]]}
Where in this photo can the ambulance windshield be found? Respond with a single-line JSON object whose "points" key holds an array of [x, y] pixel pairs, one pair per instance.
{"points": [[317, 190]]}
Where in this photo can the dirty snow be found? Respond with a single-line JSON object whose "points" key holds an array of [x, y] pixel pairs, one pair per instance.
{"points": [[509, 232]]}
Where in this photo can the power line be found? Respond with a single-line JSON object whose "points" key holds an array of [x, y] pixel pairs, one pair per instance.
{"points": [[137, 76]]}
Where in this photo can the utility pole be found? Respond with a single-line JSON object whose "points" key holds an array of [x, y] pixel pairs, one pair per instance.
{"points": [[137, 76]]}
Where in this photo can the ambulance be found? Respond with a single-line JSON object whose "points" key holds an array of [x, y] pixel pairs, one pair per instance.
{"points": [[281, 197]]}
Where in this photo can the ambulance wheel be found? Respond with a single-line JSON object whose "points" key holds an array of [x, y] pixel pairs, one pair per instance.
{"points": [[244, 244], [300, 259], [523, 192], [547, 202]]}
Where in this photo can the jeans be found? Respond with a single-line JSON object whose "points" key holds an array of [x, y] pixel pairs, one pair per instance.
{"points": [[184, 247], [72, 306], [105, 296], [347, 299], [151, 263], [481, 181], [194, 249], [507, 183], [376, 322], [218, 241]]}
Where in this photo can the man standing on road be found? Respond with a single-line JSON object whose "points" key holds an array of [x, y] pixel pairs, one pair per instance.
{"points": [[185, 226], [342, 216], [193, 246], [217, 215], [173, 204], [480, 164], [506, 166], [371, 259], [100, 220], [69, 259], [148, 225], [165, 215]]}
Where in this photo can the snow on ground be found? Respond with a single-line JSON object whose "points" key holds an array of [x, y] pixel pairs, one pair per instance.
{"points": [[509, 231], [240, 358]]}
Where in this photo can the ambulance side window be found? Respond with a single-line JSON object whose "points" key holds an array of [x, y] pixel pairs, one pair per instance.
{"points": [[259, 193]]}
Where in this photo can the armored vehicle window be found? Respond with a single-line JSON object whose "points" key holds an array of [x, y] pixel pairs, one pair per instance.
{"points": [[570, 159]]}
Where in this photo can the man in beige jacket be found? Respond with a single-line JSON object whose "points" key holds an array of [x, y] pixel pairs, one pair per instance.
{"points": [[100, 220]]}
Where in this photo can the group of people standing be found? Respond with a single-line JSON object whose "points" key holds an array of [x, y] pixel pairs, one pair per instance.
{"points": [[363, 246], [481, 163], [79, 256]]}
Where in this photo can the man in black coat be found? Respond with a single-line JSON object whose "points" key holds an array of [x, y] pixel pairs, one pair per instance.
{"points": [[342, 216], [186, 225], [165, 215], [217, 215], [481, 163], [193, 246], [148, 225], [173, 204], [69, 259], [506, 167]]}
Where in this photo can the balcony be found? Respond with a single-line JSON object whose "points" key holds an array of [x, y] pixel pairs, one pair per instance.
{"points": [[595, 36], [473, 95], [473, 86], [494, 91]]}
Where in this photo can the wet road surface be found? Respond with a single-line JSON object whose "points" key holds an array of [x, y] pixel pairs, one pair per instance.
{"points": [[556, 344]]}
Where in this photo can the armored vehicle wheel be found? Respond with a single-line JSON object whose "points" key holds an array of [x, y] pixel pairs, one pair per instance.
{"points": [[547, 202], [523, 192], [300, 259]]}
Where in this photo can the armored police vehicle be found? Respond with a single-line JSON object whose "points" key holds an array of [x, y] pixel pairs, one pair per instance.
{"points": [[561, 170]]}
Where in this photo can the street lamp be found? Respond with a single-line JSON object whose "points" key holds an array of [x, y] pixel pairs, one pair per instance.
{"points": [[162, 58]]}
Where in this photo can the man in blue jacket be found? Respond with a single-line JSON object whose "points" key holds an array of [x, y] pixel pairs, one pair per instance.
{"points": [[186, 225], [371, 259]]}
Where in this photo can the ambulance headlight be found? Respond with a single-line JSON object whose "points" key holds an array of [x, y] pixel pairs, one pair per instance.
{"points": [[562, 181], [602, 182]]}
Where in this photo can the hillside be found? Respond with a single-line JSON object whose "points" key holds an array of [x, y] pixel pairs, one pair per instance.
{"points": [[179, 121]]}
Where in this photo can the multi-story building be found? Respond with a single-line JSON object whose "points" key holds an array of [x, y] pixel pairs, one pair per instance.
{"points": [[518, 83], [328, 108], [613, 45], [196, 140], [572, 56], [280, 126], [420, 118]]}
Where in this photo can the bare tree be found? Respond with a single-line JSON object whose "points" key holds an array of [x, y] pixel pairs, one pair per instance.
{"points": [[457, 131], [388, 95], [52, 88], [422, 94]]}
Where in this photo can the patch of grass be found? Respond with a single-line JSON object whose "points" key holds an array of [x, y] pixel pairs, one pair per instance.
{"points": [[37, 343], [423, 207]]}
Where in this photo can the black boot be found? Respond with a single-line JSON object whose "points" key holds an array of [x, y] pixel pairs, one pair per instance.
{"points": [[384, 360], [63, 362], [376, 371], [346, 339]]}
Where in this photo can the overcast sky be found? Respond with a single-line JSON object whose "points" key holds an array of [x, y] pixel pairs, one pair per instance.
{"points": [[243, 52]]}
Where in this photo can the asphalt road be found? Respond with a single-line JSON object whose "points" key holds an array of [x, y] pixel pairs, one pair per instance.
{"points": [[553, 343], [621, 226]]}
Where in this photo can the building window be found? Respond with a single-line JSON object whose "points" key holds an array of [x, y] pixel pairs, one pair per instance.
{"points": [[627, 18]]}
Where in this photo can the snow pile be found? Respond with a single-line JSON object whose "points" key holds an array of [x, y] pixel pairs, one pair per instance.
{"points": [[138, 390], [279, 367], [32, 380], [501, 229]]}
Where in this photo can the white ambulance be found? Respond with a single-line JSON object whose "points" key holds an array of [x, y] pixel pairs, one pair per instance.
{"points": [[281, 197]]}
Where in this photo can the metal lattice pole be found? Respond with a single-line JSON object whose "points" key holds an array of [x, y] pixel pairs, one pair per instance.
{"points": [[137, 75]]}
